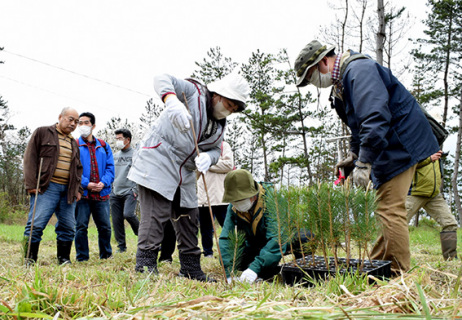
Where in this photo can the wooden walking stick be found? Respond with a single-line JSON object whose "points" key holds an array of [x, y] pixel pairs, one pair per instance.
{"points": [[206, 191], [33, 210]]}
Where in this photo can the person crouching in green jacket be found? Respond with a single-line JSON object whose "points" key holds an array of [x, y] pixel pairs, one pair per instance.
{"points": [[259, 252], [425, 193]]}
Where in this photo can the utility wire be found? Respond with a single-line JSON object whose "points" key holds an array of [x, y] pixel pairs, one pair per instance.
{"points": [[77, 73], [53, 93]]}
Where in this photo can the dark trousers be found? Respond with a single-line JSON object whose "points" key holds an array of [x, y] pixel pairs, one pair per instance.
{"points": [[123, 208], [168, 242], [100, 212], [156, 211], [206, 226]]}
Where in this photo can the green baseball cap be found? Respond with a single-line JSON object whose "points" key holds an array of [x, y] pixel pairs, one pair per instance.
{"points": [[308, 57], [239, 185]]}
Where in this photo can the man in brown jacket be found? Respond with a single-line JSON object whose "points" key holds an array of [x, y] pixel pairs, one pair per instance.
{"points": [[59, 186]]}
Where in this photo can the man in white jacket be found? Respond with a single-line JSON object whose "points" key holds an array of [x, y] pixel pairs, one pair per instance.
{"points": [[164, 166]]}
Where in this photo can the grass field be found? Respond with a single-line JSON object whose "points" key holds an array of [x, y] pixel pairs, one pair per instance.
{"points": [[110, 289]]}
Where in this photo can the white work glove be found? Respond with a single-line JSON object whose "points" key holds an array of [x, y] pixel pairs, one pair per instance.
{"points": [[362, 173], [177, 113], [248, 276], [229, 280], [346, 162], [203, 162]]}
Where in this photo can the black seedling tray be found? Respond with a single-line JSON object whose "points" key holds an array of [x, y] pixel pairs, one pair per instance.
{"points": [[304, 272]]}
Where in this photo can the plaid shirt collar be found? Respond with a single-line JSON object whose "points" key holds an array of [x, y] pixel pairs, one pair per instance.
{"points": [[94, 174], [336, 70]]}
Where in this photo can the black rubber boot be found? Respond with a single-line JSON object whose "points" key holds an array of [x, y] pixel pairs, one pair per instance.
{"points": [[146, 260], [33, 254], [191, 268], [64, 252], [449, 244]]}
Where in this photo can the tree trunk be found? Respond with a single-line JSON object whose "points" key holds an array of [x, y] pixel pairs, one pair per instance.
{"points": [[345, 19], [446, 70], [456, 164], [380, 39], [361, 25]]}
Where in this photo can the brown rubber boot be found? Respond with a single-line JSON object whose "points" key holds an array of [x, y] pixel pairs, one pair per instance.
{"points": [[449, 244]]}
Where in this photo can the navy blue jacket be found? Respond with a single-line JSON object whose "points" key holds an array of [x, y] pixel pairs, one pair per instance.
{"points": [[389, 130], [105, 162]]}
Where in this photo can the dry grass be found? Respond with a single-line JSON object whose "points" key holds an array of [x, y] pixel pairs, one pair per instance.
{"points": [[110, 289]]}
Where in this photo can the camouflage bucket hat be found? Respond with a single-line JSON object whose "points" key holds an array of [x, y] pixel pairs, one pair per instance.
{"points": [[308, 57], [239, 185]]}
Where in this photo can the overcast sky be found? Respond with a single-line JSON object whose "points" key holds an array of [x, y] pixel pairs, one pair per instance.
{"points": [[125, 43]]}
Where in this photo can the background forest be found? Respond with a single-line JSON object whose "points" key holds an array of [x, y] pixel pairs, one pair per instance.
{"points": [[291, 137]]}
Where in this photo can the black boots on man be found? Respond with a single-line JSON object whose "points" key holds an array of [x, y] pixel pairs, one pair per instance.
{"points": [[146, 260], [191, 268], [33, 252], [449, 244], [64, 252]]}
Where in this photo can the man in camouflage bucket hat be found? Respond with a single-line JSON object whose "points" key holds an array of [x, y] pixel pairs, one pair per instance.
{"points": [[309, 57], [389, 135], [248, 212]]}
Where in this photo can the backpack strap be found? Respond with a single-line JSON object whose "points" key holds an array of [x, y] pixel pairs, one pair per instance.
{"points": [[103, 143], [352, 57]]}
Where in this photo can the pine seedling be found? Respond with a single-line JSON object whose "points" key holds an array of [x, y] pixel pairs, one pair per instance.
{"points": [[335, 207], [304, 221], [365, 221], [346, 190], [361, 213], [322, 220], [298, 220], [237, 241], [277, 207]]}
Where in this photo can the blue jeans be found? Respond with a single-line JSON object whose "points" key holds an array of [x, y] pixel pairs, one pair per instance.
{"points": [[53, 200], [100, 212]]}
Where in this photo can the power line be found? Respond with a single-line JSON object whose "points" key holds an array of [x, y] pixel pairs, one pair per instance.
{"points": [[53, 93], [77, 73]]}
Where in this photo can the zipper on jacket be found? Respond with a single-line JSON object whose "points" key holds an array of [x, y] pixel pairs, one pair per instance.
{"points": [[200, 131], [434, 180]]}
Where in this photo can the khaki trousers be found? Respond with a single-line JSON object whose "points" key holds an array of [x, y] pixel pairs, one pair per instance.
{"points": [[393, 244], [436, 207]]}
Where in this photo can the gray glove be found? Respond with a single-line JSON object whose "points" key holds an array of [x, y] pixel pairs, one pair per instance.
{"points": [[362, 173], [347, 162]]}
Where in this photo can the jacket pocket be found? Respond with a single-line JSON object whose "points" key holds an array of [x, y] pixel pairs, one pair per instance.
{"points": [[47, 150], [47, 153]]}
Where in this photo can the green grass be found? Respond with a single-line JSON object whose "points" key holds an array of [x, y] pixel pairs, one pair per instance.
{"points": [[110, 289]]}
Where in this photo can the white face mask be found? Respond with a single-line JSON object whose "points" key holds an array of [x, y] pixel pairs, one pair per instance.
{"points": [[321, 80], [219, 111], [84, 131], [243, 205], [120, 144]]}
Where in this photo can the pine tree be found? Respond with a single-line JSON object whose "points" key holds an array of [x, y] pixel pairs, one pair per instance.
{"points": [[214, 67], [442, 35], [261, 75], [13, 143], [107, 133], [152, 112]]}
